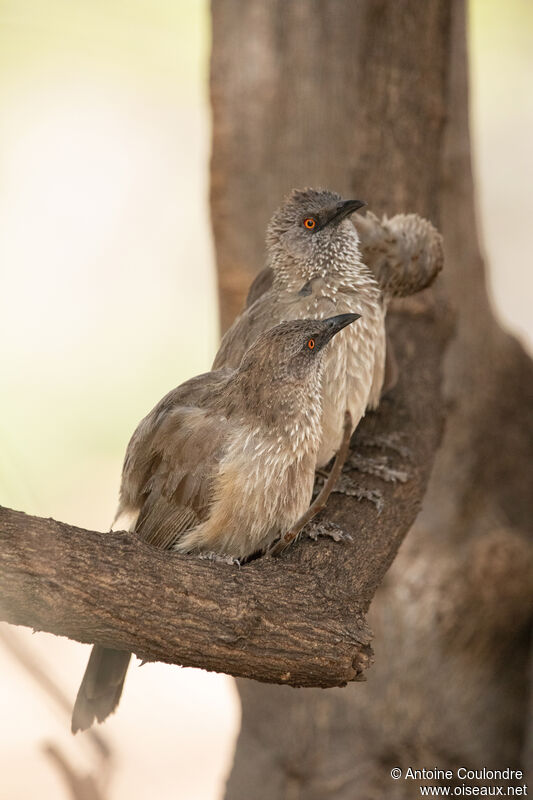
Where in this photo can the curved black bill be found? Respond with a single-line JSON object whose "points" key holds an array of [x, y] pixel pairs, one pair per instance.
{"points": [[344, 209], [336, 324]]}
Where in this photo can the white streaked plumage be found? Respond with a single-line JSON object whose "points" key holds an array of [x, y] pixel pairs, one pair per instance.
{"points": [[319, 275]]}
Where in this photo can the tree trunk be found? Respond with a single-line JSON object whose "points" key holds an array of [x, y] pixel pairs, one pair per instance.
{"points": [[370, 98]]}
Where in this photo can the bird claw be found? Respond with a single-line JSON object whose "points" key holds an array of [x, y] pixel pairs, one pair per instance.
{"points": [[220, 558], [345, 485], [377, 467], [391, 441], [330, 529]]}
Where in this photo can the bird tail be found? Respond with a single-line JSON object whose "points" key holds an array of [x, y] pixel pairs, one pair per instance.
{"points": [[101, 687]]}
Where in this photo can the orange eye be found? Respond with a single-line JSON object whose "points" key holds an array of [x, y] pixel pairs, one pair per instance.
{"points": [[311, 344], [310, 223]]}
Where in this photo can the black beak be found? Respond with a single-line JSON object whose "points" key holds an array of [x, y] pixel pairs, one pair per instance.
{"points": [[343, 210], [336, 324]]}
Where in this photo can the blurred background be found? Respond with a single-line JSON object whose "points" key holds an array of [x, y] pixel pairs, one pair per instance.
{"points": [[108, 300]]}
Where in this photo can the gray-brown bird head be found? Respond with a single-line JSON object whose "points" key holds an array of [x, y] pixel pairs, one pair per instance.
{"points": [[281, 372], [311, 232]]}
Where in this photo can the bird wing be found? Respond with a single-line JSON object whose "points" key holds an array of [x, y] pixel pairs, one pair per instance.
{"points": [[262, 315], [172, 460], [260, 284]]}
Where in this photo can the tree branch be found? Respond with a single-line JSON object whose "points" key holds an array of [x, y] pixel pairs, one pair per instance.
{"points": [[298, 619]]}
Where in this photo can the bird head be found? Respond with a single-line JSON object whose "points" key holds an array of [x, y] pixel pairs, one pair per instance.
{"points": [[311, 229], [283, 367]]}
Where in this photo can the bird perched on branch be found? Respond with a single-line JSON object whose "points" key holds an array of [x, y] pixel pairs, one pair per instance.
{"points": [[404, 254], [321, 262], [317, 270], [223, 464]]}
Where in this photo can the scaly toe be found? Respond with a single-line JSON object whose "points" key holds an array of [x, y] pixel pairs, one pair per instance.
{"points": [[220, 558], [330, 529]]}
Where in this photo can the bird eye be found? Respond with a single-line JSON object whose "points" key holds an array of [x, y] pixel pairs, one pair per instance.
{"points": [[311, 344], [310, 223]]}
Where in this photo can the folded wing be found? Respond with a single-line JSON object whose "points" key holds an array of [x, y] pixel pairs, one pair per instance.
{"points": [[172, 461]]}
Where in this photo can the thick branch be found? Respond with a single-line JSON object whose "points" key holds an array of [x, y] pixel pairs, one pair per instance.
{"points": [[298, 619]]}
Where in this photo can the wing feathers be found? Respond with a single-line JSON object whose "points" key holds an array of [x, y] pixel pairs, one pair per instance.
{"points": [[172, 460]]}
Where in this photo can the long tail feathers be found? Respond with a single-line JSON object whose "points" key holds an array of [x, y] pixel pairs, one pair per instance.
{"points": [[100, 688]]}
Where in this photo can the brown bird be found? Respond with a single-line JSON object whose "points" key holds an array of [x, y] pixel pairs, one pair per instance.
{"points": [[223, 464], [317, 270]]}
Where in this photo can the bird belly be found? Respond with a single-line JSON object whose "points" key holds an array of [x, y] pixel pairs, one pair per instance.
{"points": [[352, 373], [258, 496]]}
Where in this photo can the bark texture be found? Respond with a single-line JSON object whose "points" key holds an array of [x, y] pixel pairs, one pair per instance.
{"points": [[370, 98]]}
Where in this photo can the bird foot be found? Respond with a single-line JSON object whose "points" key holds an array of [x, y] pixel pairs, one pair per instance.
{"points": [[330, 529], [345, 485], [220, 558], [378, 467], [391, 441]]}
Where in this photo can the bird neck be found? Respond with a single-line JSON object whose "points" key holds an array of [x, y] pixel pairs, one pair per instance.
{"points": [[340, 265], [284, 409]]}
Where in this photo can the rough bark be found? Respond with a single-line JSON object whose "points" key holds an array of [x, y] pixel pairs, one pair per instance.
{"points": [[370, 98]]}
